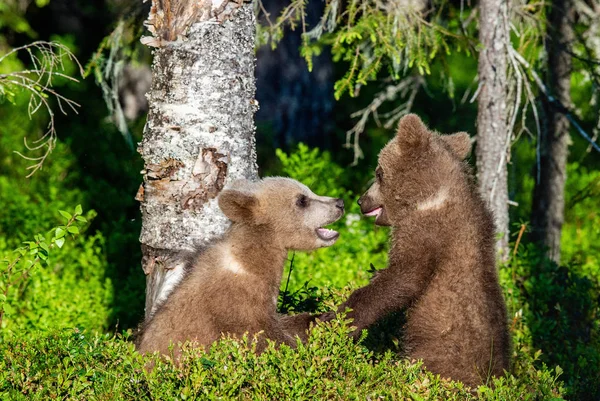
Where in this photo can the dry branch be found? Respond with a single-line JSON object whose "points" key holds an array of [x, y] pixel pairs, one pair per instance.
{"points": [[405, 88], [47, 59]]}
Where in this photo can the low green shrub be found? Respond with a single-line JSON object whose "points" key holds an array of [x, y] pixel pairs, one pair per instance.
{"points": [[72, 291], [50, 282], [556, 309], [75, 365]]}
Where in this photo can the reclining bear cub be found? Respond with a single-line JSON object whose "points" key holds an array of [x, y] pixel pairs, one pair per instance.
{"points": [[231, 286]]}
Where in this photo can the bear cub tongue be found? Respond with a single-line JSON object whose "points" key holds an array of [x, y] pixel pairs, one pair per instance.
{"points": [[327, 234], [374, 212]]}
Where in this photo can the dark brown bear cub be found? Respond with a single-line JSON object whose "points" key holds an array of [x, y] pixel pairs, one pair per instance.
{"points": [[442, 266]]}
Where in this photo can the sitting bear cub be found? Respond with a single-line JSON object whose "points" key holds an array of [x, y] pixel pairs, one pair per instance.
{"points": [[442, 266], [231, 286]]}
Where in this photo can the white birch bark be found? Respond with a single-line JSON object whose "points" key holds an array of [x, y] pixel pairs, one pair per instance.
{"points": [[493, 136], [200, 129]]}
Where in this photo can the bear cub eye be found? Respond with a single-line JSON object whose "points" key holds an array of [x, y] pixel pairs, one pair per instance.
{"points": [[302, 201]]}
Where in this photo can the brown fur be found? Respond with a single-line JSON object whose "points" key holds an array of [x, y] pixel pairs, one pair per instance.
{"points": [[442, 257], [232, 285], [442, 268]]}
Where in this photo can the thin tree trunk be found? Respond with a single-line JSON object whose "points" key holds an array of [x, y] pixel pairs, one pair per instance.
{"points": [[493, 140], [200, 129], [549, 201]]}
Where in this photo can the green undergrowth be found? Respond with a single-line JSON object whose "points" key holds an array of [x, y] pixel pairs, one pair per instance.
{"points": [[555, 310], [75, 365]]}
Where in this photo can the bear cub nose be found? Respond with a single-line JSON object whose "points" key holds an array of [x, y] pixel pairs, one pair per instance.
{"points": [[339, 203]]}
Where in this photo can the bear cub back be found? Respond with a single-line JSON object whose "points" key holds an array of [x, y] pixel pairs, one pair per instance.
{"points": [[231, 285]]}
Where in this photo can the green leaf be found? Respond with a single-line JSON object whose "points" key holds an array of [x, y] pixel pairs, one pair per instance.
{"points": [[78, 209], [73, 229], [59, 233], [64, 214], [81, 219], [60, 242], [8, 309]]}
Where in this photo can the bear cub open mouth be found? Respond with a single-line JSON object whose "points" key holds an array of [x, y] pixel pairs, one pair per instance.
{"points": [[327, 234], [375, 212]]}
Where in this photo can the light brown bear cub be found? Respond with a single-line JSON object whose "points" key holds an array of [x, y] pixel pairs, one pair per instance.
{"points": [[442, 257], [232, 285]]}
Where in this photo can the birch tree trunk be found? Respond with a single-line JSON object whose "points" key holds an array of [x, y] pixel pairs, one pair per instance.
{"points": [[200, 129], [548, 200], [493, 136]]}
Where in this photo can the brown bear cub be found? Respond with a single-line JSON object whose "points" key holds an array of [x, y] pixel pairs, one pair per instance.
{"points": [[442, 268], [231, 286]]}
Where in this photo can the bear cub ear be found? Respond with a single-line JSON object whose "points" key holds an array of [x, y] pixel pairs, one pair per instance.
{"points": [[412, 133], [460, 144], [238, 206]]}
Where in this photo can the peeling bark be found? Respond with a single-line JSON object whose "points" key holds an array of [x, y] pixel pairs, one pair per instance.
{"points": [[200, 132], [169, 20], [548, 199], [493, 140]]}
